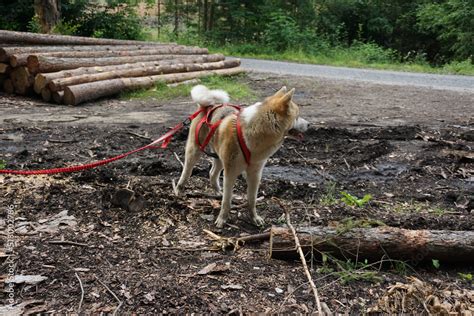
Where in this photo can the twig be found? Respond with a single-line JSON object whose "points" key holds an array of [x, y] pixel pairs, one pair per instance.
{"points": [[303, 259], [82, 294], [62, 141], [179, 160], [138, 135], [113, 294], [67, 242]]}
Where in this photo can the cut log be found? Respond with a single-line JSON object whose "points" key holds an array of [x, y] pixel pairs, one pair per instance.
{"points": [[3, 77], [74, 95], [8, 86], [41, 80], [22, 80], [60, 84], [46, 95], [38, 64], [4, 68], [7, 52], [376, 243], [58, 96], [22, 59], [49, 39]]}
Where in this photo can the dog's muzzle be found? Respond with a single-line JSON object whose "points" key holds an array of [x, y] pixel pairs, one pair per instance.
{"points": [[299, 127]]}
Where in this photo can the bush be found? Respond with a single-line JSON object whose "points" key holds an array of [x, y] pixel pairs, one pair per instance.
{"points": [[16, 15], [372, 53]]}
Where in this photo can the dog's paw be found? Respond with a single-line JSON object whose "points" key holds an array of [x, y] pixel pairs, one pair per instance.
{"points": [[258, 220]]}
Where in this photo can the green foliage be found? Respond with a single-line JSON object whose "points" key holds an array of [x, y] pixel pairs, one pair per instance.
{"points": [[435, 263], [329, 197], [236, 89], [349, 270], [466, 276], [16, 15], [2, 164], [352, 200], [349, 223], [34, 25], [452, 23]]}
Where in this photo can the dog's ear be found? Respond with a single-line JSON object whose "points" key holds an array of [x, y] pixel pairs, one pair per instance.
{"points": [[285, 99], [280, 92]]}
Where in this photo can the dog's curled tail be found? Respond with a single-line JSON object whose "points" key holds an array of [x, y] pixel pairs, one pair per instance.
{"points": [[205, 97]]}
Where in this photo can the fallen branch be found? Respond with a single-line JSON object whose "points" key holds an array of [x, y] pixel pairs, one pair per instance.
{"points": [[82, 294], [113, 294], [303, 260], [67, 242]]}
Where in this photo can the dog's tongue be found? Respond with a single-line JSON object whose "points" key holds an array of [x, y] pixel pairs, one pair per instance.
{"points": [[296, 135]]}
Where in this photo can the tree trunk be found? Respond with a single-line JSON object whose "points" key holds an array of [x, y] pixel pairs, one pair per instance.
{"points": [[46, 94], [38, 64], [376, 243], [60, 84], [176, 18], [48, 14], [77, 94], [22, 59], [22, 80], [7, 52], [41, 80], [50, 39], [205, 16]]}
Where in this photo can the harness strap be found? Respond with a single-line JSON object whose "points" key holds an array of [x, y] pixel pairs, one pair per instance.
{"points": [[243, 145], [206, 119]]}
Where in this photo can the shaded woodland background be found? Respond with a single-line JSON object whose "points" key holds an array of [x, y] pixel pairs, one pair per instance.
{"points": [[421, 31]]}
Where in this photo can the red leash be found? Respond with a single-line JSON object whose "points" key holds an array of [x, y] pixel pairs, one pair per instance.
{"points": [[165, 139]]}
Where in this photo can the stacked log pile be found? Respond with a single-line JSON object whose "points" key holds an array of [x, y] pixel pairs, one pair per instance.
{"points": [[72, 70]]}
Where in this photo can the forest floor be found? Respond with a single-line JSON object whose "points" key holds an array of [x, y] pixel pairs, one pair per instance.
{"points": [[410, 148]]}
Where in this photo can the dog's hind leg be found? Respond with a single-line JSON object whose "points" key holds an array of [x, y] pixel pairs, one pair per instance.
{"points": [[191, 157], [254, 175], [230, 176], [214, 174]]}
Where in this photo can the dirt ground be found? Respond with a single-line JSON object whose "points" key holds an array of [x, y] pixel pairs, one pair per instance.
{"points": [[410, 148]]}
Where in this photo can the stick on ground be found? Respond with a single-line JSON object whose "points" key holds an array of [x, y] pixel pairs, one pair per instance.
{"points": [[82, 294], [113, 294], [303, 260]]}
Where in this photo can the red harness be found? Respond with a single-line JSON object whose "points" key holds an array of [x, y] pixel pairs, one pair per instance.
{"points": [[206, 119]]}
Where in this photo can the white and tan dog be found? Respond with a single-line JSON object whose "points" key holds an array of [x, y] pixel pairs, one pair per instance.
{"points": [[264, 126]]}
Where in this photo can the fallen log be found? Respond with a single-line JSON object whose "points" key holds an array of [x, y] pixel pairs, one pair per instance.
{"points": [[38, 64], [42, 79], [22, 80], [46, 95], [60, 84], [8, 86], [22, 59], [58, 96], [7, 52], [3, 77], [74, 95], [376, 243], [4, 68], [52, 39]]}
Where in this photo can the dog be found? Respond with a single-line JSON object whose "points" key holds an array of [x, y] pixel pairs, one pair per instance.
{"points": [[261, 128]]}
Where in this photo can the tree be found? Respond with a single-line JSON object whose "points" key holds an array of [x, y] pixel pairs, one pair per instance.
{"points": [[48, 12]]}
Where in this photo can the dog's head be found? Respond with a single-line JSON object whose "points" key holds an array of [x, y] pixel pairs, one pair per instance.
{"points": [[287, 113]]}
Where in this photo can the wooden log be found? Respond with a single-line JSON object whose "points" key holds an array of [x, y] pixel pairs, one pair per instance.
{"points": [[376, 243], [52, 39], [42, 79], [60, 84], [7, 52], [8, 86], [58, 96], [3, 77], [46, 94], [22, 80], [74, 95], [4, 68], [38, 64], [22, 59]]}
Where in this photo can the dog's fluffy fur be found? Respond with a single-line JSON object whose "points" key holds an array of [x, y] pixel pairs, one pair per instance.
{"points": [[265, 125]]}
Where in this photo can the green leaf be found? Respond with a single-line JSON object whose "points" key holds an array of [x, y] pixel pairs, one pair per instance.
{"points": [[435, 263]]}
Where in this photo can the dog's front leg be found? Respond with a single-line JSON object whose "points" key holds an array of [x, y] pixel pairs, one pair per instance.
{"points": [[230, 176], [254, 175]]}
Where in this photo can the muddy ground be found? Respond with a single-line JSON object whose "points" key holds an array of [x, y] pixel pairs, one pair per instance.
{"points": [[410, 148]]}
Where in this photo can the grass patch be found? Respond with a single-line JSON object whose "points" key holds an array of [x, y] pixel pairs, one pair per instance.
{"points": [[237, 89]]}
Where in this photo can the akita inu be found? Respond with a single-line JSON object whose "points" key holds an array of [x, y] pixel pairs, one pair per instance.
{"points": [[241, 140]]}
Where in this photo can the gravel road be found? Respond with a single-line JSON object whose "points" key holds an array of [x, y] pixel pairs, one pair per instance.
{"points": [[443, 82]]}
